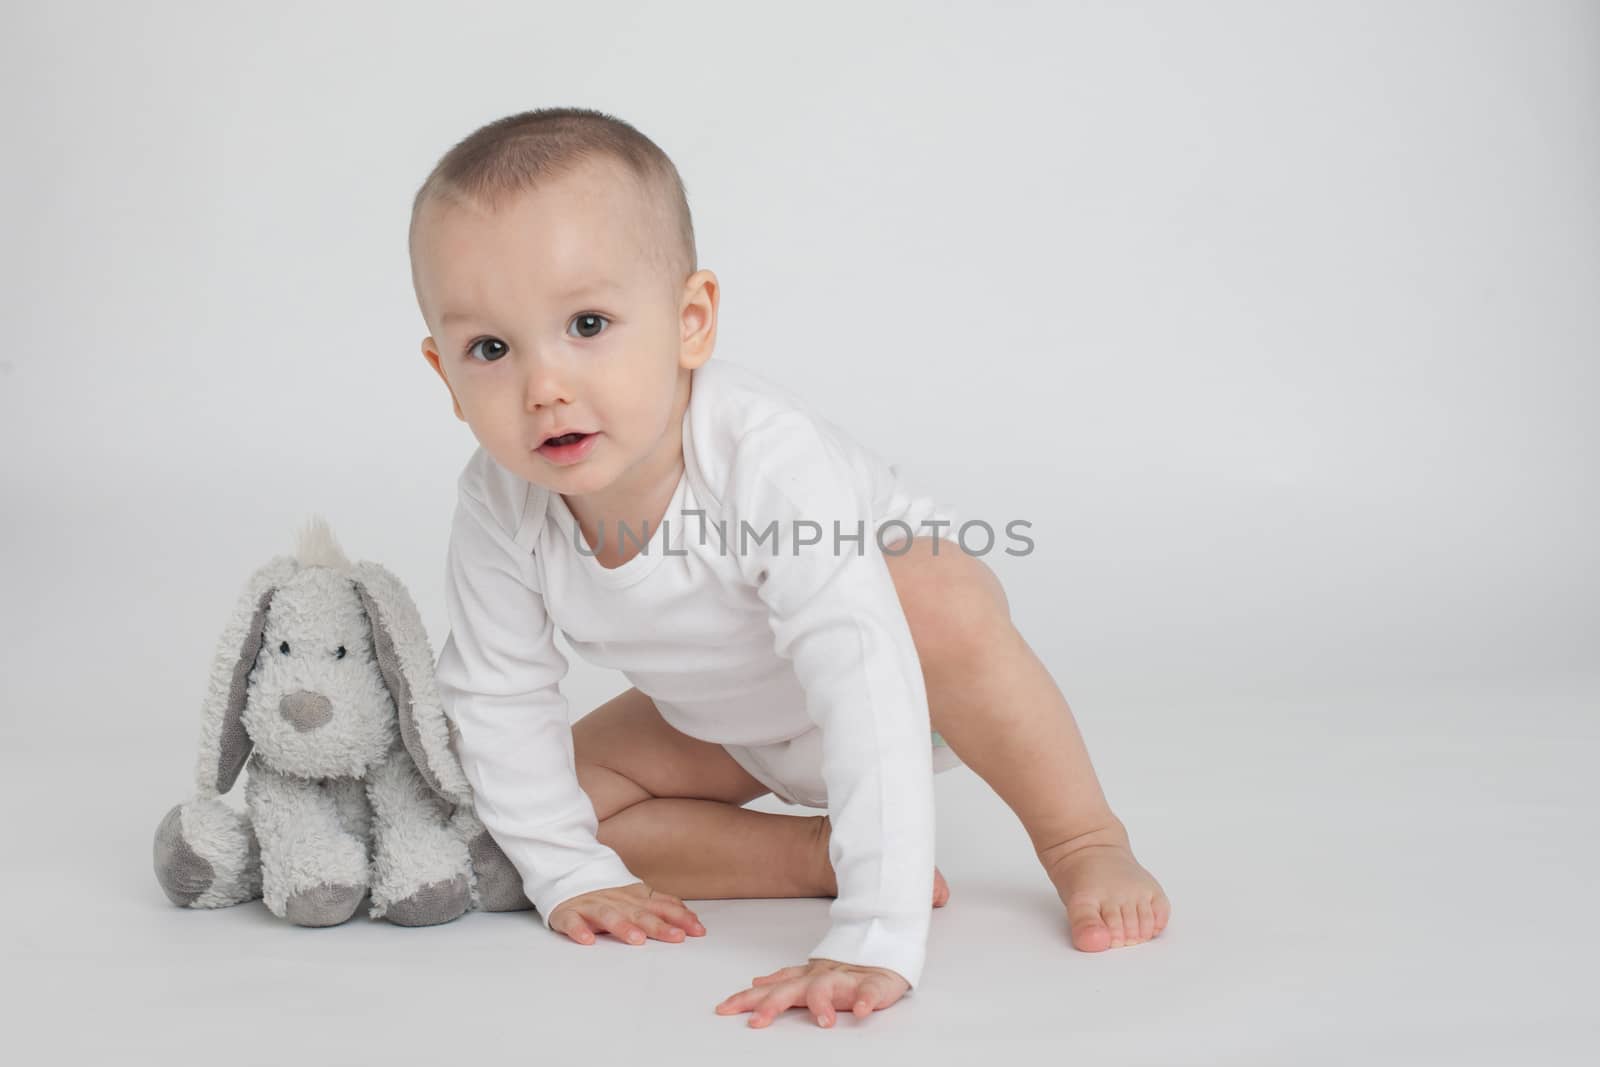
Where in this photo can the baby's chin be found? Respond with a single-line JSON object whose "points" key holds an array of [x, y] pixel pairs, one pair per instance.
{"points": [[573, 479]]}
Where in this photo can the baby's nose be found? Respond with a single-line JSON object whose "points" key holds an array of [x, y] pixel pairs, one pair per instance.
{"points": [[306, 711]]}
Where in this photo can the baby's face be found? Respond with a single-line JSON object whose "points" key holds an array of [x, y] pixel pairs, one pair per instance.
{"points": [[548, 316]]}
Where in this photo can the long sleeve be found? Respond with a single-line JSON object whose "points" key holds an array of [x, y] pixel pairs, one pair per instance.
{"points": [[837, 616], [499, 676]]}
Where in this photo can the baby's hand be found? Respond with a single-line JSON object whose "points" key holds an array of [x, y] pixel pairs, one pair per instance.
{"points": [[631, 912], [820, 986]]}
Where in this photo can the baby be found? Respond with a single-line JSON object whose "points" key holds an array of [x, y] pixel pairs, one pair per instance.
{"points": [[792, 618]]}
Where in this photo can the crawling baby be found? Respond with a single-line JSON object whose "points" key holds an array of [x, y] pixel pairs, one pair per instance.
{"points": [[792, 616]]}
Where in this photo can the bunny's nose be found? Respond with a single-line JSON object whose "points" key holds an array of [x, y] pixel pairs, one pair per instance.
{"points": [[306, 711]]}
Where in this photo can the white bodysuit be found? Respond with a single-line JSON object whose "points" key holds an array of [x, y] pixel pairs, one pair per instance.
{"points": [[793, 655]]}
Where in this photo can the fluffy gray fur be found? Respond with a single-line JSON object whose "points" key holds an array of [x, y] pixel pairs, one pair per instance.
{"points": [[353, 789]]}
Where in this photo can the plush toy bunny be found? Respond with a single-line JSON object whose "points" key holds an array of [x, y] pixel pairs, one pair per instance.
{"points": [[323, 682]]}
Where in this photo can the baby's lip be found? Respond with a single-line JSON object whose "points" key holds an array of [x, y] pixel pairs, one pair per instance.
{"points": [[546, 439]]}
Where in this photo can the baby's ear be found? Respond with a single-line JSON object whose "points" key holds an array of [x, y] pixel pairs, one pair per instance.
{"points": [[430, 352], [405, 660], [224, 744]]}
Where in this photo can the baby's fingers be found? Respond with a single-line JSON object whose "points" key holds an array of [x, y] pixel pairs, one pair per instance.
{"points": [[676, 912], [614, 920], [770, 1003], [572, 924], [583, 923], [659, 928], [779, 975], [820, 997], [873, 993]]}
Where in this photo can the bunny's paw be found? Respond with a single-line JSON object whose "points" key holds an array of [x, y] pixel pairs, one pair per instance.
{"points": [[323, 905], [434, 903], [499, 884], [206, 856]]}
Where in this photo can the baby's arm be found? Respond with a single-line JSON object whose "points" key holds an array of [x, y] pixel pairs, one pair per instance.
{"points": [[498, 677], [837, 616]]}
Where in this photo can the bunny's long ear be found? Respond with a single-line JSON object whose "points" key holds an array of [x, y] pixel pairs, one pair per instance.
{"points": [[405, 659], [224, 745]]}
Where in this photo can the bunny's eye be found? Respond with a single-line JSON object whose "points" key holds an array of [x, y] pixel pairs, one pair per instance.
{"points": [[284, 648], [339, 654]]}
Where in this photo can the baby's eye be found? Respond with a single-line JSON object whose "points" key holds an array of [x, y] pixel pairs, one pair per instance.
{"points": [[588, 318], [473, 347]]}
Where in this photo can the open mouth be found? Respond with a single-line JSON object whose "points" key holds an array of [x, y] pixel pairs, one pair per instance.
{"points": [[566, 439], [569, 447]]}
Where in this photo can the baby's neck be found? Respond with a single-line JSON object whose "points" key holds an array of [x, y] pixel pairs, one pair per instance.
{"points": [[642, 502], [620, 518]]}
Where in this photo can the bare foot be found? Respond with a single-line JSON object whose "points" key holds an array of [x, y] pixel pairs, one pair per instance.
{"points": [[1111, 901], [941, 888]]}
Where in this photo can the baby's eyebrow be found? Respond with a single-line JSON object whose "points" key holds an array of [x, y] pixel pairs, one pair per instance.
{"points": [[597, 286]]}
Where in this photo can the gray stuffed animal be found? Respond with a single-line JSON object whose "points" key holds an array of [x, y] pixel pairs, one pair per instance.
{"points": [[323, 682]]}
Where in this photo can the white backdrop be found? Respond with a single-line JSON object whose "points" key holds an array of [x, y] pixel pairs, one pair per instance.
{"points": [[1278, 321]]}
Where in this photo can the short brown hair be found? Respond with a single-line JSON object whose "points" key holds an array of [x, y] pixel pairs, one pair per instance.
{"points": [[514, 154]]}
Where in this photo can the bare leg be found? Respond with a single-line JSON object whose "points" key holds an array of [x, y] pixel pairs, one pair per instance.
{"points": [[671, 806], [996, 705], [709, 850]]}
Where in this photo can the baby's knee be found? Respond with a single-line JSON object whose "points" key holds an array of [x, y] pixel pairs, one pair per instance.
{"points": [[609, 791], [953, 601]]}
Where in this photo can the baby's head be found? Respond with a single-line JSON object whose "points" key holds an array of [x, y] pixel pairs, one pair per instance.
{"points": [[553, 258]]}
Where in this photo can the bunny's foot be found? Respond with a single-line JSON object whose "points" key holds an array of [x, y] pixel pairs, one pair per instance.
{"points": [[499, 884], [323, 905], [434, 903], [206, 855]]}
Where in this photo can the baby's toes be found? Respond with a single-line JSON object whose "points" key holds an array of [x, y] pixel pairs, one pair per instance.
{"points": [[1111, 911], [1147, 919], [1089, 930], [1130, 923], [1161, 908]]}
